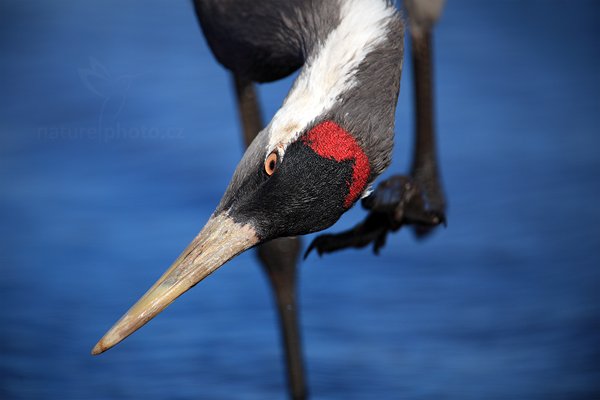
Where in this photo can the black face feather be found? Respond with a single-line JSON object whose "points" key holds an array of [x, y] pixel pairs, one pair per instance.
{"points": [[305, 194]]}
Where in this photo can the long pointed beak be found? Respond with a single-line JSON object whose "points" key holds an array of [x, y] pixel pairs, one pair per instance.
{"points": [[220, 240]]}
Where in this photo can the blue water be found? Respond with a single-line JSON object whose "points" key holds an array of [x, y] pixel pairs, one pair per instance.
{"points": [[118, 135]]}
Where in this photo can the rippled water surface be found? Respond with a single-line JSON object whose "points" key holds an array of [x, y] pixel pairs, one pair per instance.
{"points": [[118, 135]]}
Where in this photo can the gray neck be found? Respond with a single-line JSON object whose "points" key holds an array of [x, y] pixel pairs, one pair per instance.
{"points": [[351, 52], [351, 75], [368, 109]]}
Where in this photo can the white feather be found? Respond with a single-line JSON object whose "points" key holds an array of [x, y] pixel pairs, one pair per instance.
{"points": [[330, 70]]}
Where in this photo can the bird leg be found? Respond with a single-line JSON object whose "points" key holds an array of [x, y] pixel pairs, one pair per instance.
{"points": [[425, 165], [416, 200], [278, 257]]}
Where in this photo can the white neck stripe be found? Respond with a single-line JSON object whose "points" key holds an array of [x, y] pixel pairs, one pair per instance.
{"points": [[330, 70]]}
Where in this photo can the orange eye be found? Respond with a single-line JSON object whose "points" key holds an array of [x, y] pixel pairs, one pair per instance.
{"points": [[271, 163]]}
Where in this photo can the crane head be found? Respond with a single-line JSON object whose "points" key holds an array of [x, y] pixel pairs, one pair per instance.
{"points": [[292, 186]]}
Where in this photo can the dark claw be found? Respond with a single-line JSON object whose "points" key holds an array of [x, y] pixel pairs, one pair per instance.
{"points": [[370, 230], [423, 230], [317, 243]]}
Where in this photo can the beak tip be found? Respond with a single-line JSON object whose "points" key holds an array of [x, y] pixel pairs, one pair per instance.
{"points": [[104, 344], [98, 348]]}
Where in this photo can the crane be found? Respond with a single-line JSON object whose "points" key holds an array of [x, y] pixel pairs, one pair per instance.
{"points": [[321, 152]]}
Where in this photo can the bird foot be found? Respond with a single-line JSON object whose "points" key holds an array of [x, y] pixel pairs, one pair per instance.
{"points": [[397, 201]]}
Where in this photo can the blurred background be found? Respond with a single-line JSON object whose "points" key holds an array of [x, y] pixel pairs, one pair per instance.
{"points": [[118, 135]]}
